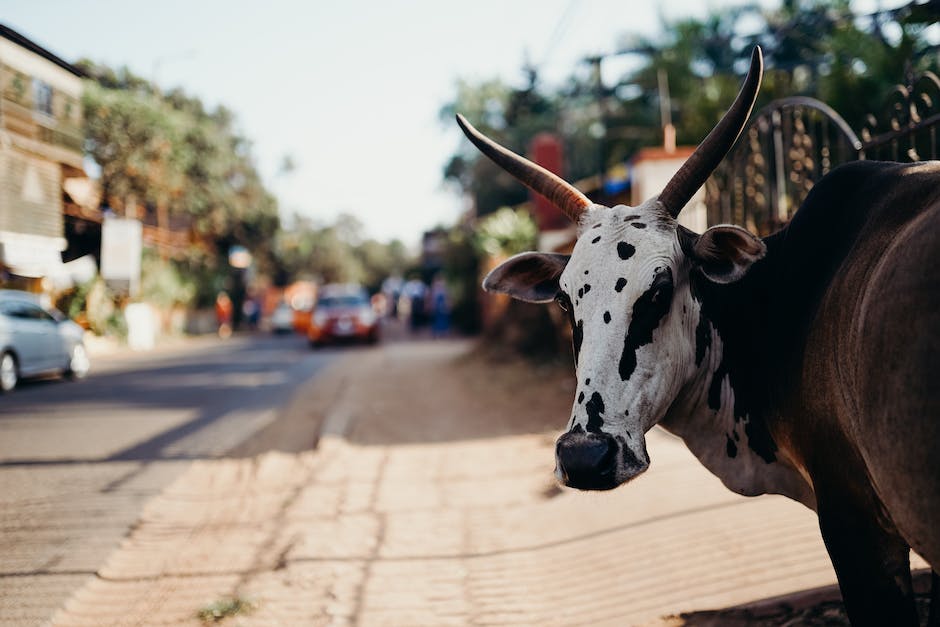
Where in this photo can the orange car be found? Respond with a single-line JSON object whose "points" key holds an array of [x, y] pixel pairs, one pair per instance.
{"points": [[342, 313]]}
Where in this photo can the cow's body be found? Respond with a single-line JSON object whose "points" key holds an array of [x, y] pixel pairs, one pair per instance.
{"points": [[831, 347], [805, 364]]}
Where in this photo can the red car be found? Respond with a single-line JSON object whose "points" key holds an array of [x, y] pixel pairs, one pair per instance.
{"points": [[343, 313]]}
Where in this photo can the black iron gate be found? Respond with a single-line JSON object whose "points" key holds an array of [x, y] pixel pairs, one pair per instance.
{"points": [[792, 143]]}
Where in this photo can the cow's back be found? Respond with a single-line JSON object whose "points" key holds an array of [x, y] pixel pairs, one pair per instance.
{"points": [[871, 363]]}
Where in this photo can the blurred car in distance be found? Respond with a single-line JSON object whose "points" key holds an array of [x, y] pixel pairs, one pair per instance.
{"points": [[343, 312], [36, 341], [282, 318]]}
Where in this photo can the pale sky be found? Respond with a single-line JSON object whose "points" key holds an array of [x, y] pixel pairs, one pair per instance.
{"points": [[350, 89]]}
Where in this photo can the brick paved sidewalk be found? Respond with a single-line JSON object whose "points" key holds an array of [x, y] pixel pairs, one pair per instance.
{"points": [[438, 508]]}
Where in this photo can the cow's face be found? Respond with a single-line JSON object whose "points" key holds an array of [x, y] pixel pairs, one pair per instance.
{"points": [[625, 289]]}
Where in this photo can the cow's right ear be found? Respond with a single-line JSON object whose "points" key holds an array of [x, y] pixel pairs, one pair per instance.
{"points": [[723, 253], [532, 277]]}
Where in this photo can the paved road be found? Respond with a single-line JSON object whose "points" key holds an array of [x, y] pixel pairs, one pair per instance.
{"points": [[78, 460]]}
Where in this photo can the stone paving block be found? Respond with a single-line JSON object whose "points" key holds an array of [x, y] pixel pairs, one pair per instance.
{"points": [[30, 600], [305, 593], [353, 536], [163, 601], [419, 592]]}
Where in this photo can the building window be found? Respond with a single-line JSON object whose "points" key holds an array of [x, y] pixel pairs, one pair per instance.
{"points": [[42, 96]]}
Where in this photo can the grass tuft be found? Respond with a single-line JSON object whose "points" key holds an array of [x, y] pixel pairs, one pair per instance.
{"points": [[224, 608]]}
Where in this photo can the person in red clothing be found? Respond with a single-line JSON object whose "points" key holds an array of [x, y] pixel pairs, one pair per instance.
{"points": [[223, 314]]}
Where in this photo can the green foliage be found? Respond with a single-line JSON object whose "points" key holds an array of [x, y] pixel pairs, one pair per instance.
{"points": [[166, 152], [336, 253], [461, 268], [224, 608], [506, 232], [164, 283], [816, 48], [72, 302]]}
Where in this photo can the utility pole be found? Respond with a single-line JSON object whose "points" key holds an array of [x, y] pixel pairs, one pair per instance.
{"points": [[665, 112]]}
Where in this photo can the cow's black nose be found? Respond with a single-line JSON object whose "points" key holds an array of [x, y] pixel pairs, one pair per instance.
{"points": [[587, 461]]}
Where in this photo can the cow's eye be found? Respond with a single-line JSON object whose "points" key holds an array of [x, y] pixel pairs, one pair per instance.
{"points": [[562, 299]]}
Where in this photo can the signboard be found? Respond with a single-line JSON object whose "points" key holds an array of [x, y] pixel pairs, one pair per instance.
{"points": [[121, 248], [546, 150]]}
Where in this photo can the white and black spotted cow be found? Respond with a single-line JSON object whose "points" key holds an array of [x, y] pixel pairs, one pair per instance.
{"points": [[805, 364]]}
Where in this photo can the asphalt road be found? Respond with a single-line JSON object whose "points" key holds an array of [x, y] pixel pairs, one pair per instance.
{"points": [[78, 460]]}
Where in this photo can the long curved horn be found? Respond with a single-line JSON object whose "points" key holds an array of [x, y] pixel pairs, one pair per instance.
{"points": [[697, 168], [560, 193]]}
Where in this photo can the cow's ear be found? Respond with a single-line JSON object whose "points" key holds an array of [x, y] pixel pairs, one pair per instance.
{"points": [[723, 253], [531, 277]]}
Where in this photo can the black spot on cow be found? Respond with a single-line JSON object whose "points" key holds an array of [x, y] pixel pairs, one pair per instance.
{"points": [[621, 282], [597, 226], [649, 309], [731, 447], [631, 217], [587, 288], [703, 338], [580, 398], [607, 317], [714, 389], [596, 239], [760, 441], [625, 250], [580, 292], [594, 408], [586, 272], [577, 336], [638, 225], [587, 381]]}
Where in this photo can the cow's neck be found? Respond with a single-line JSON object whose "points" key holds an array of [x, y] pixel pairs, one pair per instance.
{"points": [[723, 412]]}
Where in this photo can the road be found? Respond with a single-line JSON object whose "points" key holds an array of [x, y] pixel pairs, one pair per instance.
{"points": [[98, 449]]}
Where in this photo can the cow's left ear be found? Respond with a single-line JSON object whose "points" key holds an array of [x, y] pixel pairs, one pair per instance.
{"points": [[723, 253], [532, 277]]}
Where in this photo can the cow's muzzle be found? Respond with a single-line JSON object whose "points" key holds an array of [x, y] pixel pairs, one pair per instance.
{"points": [[596, 461], [587, 461]]}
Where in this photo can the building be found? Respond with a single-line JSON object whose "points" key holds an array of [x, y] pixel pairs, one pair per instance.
{"points": [[652, 168], [40, 150]]}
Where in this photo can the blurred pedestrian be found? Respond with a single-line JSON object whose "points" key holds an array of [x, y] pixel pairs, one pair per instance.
{"points": [[251, 312], [223, 314], [416, 292], [440, 308]]}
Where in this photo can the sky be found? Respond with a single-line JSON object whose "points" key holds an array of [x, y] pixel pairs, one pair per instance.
{"points": [[349, 89]]}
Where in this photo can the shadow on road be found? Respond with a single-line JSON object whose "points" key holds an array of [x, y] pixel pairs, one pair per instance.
{"points": [[247, 375], [816, 607]]}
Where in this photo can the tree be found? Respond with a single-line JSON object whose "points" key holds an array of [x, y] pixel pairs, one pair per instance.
{"points": [[167, 152], [336, 253]]}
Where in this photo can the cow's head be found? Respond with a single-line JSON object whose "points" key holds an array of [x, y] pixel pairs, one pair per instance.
{"points": [[626, 290]]}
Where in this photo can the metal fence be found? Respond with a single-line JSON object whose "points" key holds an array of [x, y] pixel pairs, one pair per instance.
{"points": [[793, 142]]}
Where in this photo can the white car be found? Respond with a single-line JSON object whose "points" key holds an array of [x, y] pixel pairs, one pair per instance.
{"points": [[35, 341], [282, 318]]}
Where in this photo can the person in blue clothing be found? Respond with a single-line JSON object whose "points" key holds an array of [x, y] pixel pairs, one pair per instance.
{"points": [[440, 308]]}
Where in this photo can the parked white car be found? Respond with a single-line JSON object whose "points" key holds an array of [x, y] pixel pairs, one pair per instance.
{"points": [[36, 341]]}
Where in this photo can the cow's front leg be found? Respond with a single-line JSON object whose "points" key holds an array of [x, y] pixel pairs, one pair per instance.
{"points": [[872, 564], [933, 619]]}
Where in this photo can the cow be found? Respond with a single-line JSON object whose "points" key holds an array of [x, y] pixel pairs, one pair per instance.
{"points": [[805, 363]]}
